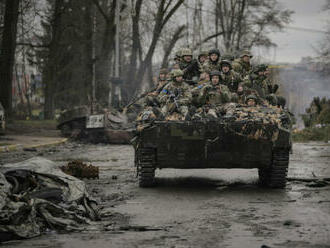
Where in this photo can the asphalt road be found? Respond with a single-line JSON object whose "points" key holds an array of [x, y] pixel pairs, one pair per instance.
{"points": [[195, 208]]}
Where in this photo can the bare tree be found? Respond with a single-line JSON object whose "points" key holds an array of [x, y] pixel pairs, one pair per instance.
{"points": [[168, 48], [50, 69], [165, 10]]}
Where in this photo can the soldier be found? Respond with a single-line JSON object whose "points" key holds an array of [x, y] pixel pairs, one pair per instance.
{"points": [[175, 96], [229, 77], [212, 94], [204, 78], [251, 100], [177, 57], [241, 97], [271, 89], [255, 81], [242, 65], [188, 65], [213, 64], [201, 61], [202, 58], [162, 79]]}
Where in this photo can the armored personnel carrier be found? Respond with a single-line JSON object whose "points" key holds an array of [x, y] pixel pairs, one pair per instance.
{"points": [[243, 137], [2, 120]]}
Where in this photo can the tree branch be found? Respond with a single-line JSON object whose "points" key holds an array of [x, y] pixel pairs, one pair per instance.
{"points": [[32, 45], [172, 11], [98, 6]]}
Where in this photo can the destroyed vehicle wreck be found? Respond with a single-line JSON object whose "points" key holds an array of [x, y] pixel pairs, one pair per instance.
{"points": [[36, 196], [110, 127]]}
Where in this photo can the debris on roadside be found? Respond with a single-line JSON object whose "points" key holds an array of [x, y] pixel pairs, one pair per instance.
{"points": [[36, 196], [78, 169]]}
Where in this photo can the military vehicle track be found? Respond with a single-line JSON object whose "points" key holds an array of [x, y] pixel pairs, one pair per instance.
{"points": [[275, 175], [145, 163]]}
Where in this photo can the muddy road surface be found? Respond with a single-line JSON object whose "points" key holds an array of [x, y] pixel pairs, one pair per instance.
{"points": [[195, 208]]}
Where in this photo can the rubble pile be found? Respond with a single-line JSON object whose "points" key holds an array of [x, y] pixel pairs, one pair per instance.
{"points": [[36, 196], [80, 170]]}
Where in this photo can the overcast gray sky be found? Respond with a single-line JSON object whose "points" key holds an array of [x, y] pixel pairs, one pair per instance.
{"points": [[293, 44]]}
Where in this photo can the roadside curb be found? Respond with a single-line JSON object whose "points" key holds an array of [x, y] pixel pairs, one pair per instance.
{"points": [[11, 148]]}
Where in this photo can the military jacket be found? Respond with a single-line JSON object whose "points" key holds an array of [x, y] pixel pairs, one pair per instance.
{"points": [[214, 94], [161, 84], [241, 67], [190, 70], [256, 83], [209, 66], [173, 91], [231, 80]]}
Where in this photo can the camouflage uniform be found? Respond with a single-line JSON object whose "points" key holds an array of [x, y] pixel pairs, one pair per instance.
{"points": [[201, 64], [175, 97], [212, 65], [255, 82], [213, 94], [231, 78], [190, 69], [242, 67]]}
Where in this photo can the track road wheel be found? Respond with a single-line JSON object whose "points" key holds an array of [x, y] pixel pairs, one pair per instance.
{"points": [[146, 159], [275, 175]]}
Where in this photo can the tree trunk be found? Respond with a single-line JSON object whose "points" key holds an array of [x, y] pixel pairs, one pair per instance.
{"points": [[136, 45], [49, 75], [8, 46], [177, 36]]}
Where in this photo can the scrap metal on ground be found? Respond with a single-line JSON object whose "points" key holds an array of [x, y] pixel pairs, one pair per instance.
{"points": [[36, 196]]}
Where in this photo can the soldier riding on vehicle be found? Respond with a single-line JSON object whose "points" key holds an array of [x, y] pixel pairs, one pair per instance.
{"points": [[229, 77], [242, 65], [175, 97], [213, 64]]}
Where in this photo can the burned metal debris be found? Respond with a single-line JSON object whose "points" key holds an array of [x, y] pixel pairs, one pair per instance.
{"points": [[36, 196]]}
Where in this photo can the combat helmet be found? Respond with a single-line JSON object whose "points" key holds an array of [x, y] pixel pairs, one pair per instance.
{"points": [[186, 52], [176, 73], [214, 51], [215, 73], [251, 97], [246, 53], [203, 53], [225, 62]]}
